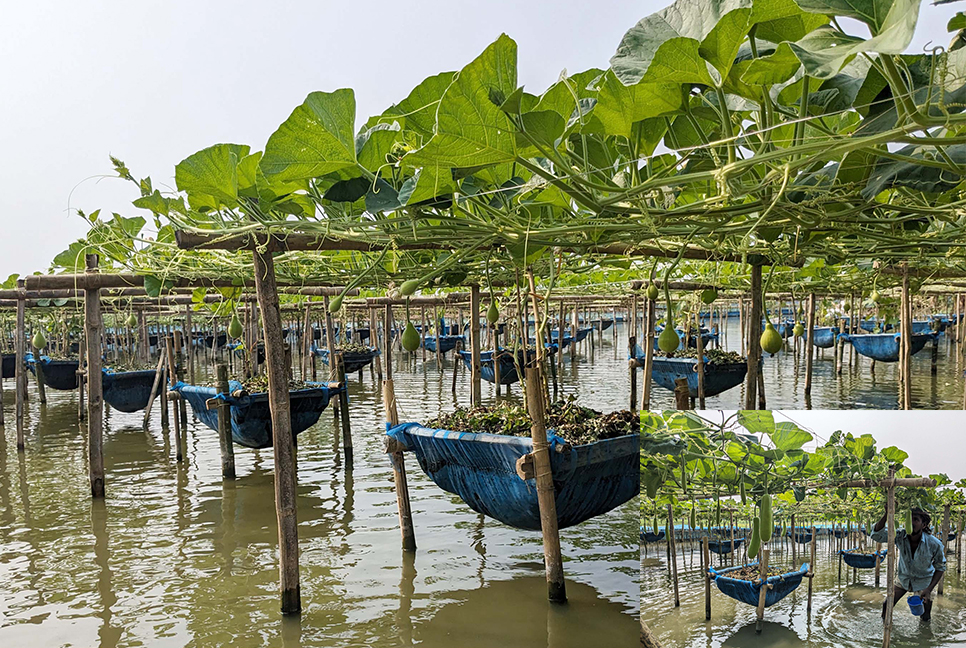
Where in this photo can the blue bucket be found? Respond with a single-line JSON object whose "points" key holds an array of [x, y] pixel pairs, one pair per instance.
{"points": [[916, 606]]}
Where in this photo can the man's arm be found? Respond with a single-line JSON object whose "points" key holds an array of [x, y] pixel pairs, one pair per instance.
{"points": [[879, 531], [936, 577], [939, 564]]}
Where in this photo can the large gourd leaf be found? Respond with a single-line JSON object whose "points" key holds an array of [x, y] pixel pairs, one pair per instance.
{"points": [[210, 176], [685, 42], [824, 51], [417, 112], [471, 130], [619, 106], [895, 173], [317, 138]]}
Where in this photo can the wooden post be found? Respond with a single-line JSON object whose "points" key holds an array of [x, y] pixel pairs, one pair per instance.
{"points": [[648, 640], [422, 330], [20, 377], [878, 548], [95, 395], [648, 352], [905, 340], [632, 364], [278, 398], [811, 570], [476, 393], [496, 358], [306, 341], [707, 578], [172, 380], [224, 425], [344, 409], [544, 481], [810, 346], [674, 555], [945, 532], [891, 560], [396, 458], [700, 347], [763, 578], [682, 394], [39, 368], [754, 333], [81, 381]]}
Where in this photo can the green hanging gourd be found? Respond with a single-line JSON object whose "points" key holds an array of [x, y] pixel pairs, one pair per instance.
{"points": [[668, 341], [493, 313], [875, 297], [717, 514], [235, 329], [655, 525], [651, 292], [741, 489], [410, 337], [693, 517], [771, 341], [131, 321], [755, 543], [39, 340], [709, 296], [799, 329], [767, 522], [336, 304], [909, 522], [408, 287]]}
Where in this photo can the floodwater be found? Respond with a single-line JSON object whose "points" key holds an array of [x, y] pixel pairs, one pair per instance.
{"points": [[845, 612], [177, 557], [857, 387]]}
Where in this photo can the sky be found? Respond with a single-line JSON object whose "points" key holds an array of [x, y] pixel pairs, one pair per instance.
{"points": [[151, 82], [944, 452]]}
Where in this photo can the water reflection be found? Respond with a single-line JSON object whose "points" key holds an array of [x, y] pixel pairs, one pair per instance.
{"points": [[181, 557]]}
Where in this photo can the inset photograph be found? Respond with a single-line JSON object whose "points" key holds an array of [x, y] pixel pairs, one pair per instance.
{"points": [[820, 529]]}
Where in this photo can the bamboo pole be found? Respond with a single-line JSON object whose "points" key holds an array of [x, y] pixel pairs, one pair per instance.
{"points": [[906, 341], [891, 567], [706, 554], [673, 555], [810, 348], [763, 590], [224, 425], [476, 393], [754, 333], [632, 365], [699, 342], [945, 532], [284, 450], [339, 360], [553, 560], [396, 457], [95, 396], [648, 353], [172, 380], [648, 639], [20, 377], [811, 570]]}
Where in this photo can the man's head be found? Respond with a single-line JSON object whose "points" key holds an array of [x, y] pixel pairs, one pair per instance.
{"points": [[920, 521]]}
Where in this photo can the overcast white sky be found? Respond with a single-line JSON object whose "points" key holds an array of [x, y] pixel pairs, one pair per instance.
{"points": [[933, 439], [153, 81]]}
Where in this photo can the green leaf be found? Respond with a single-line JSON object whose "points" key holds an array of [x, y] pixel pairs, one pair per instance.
{"points": [[381, 197], [417, 112], [772, 69], [788, 436], [619, 106], [315, 140], [210, 176], [373, 145], [824, 51], [470, 129], [153, 285], [428, 183], [894, 455], [757, 421]]}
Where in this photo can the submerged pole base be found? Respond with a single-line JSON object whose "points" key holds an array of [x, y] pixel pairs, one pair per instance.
{"points": [[292, 600], [557, 591]]}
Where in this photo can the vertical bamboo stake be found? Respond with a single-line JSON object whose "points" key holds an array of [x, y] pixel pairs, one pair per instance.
{"points": [[398, 463], [224, 425], [95, 398], [945, 532], [553, 560], [763, 579], [706, 553], [878, 548], [700, 348], [754, 333], [891, 567], [810, 348], [39, 367], [906, 340], [811, 570], [20, 376], [632, 366], [496, 358], [172, 380], [278, 398], [674, 555], [306, 341], [648, 352], [476, 393], [344, 408]]}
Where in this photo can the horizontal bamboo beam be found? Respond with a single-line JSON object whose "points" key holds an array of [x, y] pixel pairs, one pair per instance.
{"points": [[318, 243]]}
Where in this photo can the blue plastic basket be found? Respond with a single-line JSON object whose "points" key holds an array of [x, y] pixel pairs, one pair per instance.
{"points": [[916, 606]]}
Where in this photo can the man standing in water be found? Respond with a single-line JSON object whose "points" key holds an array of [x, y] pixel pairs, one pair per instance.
{"points": [[922, 559]]}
